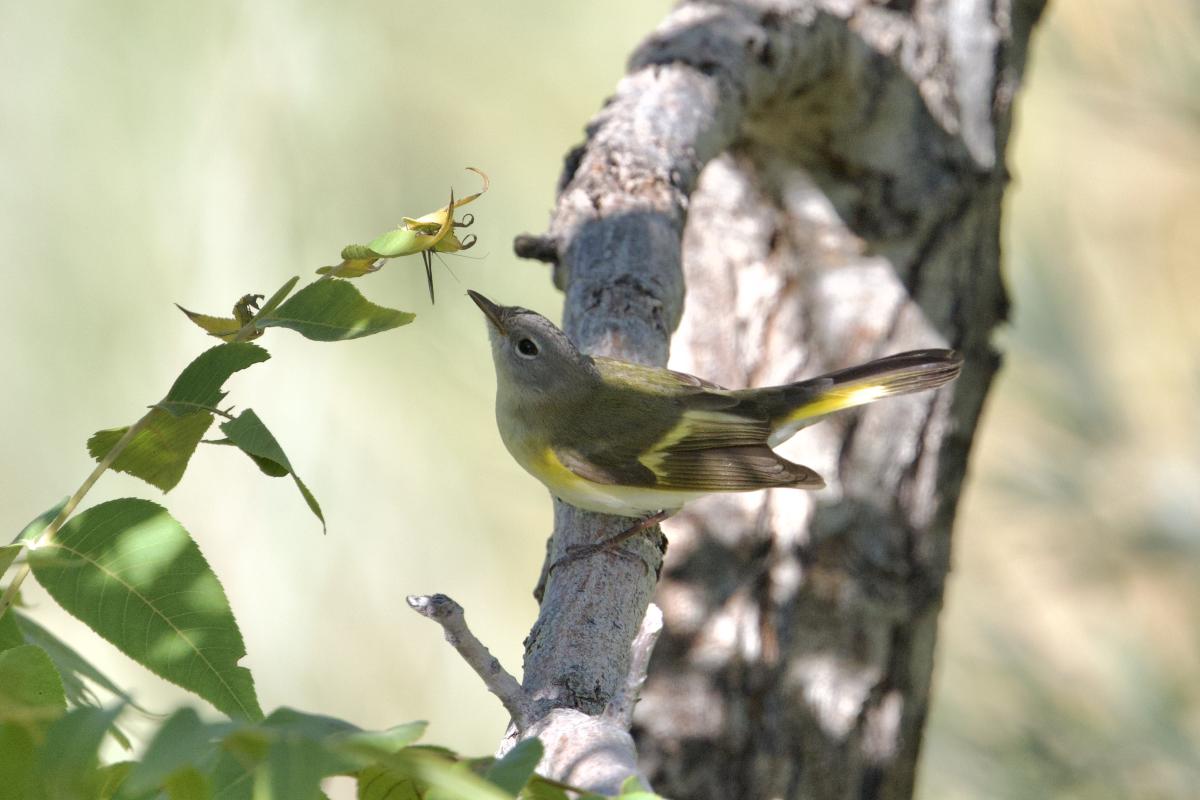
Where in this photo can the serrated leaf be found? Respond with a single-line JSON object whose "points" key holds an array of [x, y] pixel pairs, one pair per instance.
{"points": [[250, 435], [67, 763], [159, 453], [514, 770], [134, 575], [39, 523], [332, 310], [31, 693], [72, 667], [198, 387]]}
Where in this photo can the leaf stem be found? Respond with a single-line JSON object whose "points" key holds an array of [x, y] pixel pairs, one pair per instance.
{"points": [[10, 593]]}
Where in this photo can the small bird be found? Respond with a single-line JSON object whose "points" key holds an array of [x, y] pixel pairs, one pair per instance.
{"points": [[620, 438]]}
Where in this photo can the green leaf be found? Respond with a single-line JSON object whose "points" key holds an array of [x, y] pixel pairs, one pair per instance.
{"points": [[183, 741], [160, 451], [16, 629], [66, 768], [297, 756], [8, 554], [16, 761], [514, 770], [539, 789], [34, 529], [31, 692], [404, 241], [72, 667], [359, 252], [132, 573], [453, 780], [232, 778], [224, 328], [198, 387], [357, 260], [10, 634], [367, 744], [188, 784], [250, 435], [330, 310], [293, 769], [273, 303], [315, 727], [632, 789], [111, 777], [378, 782]]}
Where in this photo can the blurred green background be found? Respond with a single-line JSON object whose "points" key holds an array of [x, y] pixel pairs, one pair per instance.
{"points": [[158, 152]]}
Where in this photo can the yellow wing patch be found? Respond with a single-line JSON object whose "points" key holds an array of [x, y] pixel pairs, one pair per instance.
{"points": [[705, 430]]}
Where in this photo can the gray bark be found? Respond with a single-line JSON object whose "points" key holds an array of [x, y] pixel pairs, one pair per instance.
{"points": [[826, 178]]}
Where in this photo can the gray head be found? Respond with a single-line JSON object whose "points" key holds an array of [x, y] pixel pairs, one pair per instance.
{"points": [[534, 358]]}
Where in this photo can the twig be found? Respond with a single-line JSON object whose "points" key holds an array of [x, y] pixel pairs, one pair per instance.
{"points": [[620, 707], [446, 612], [14, 586]]}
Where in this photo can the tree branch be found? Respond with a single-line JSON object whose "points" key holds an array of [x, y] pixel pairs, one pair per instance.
{"points": [[620, 708], [449, 614], [854, 209], [616, 232]]}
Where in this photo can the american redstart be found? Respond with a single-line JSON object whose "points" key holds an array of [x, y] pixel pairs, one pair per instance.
{"points": [[621, 438]]}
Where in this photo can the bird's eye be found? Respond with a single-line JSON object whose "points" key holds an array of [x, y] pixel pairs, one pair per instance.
{"points": [[526, 347]]}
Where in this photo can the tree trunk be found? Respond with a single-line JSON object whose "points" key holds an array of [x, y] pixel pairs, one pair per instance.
{"points": [[850, 208]]}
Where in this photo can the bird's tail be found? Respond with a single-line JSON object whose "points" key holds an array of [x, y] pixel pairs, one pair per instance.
{"points": [[801, 404]]}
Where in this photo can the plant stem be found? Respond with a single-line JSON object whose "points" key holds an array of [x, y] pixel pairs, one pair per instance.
{"points": [[10, 593]]}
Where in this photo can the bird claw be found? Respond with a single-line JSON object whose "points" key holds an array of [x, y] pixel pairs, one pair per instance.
{"points": [[610, 545]]}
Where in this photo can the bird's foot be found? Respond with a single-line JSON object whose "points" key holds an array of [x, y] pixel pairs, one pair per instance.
{"points": [[610, 544]]}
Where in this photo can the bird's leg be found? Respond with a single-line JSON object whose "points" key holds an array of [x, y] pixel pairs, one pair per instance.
{"points": [[612, 542]]}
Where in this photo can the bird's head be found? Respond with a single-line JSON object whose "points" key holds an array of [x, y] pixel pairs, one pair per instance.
{"points": [[534, 358]]}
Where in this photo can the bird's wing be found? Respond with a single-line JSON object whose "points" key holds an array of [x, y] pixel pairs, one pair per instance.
{"points": [[729, 469], [655, 380], [605, 466], [721, 451], [688, 437]]}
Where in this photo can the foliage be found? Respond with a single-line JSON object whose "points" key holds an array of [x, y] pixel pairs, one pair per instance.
{"points": [[426, 235], [135, 575]]}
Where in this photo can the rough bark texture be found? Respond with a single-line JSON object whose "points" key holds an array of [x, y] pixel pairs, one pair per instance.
{"points": [[839, 167]]}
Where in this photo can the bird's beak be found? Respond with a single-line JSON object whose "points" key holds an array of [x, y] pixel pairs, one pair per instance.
{"points": [[493, 312]]}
